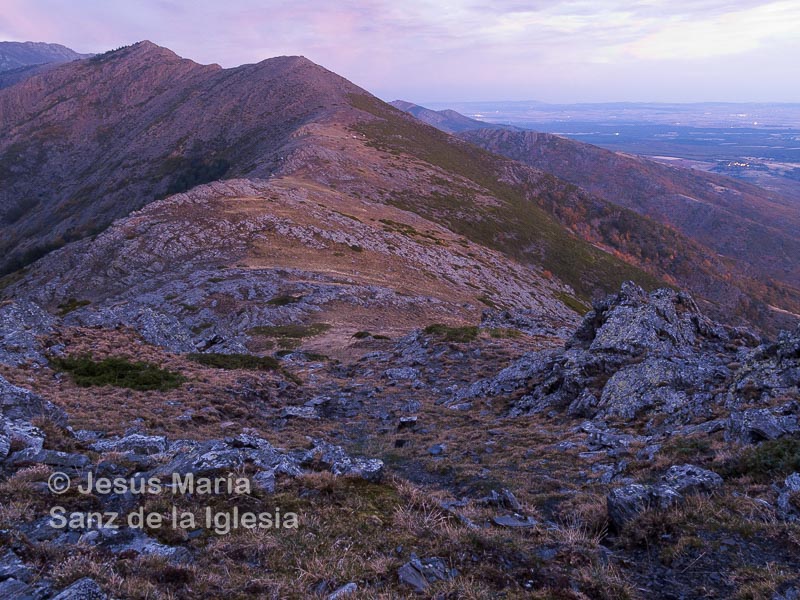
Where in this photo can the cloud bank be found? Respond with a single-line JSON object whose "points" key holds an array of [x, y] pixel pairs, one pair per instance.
{"points": [[557, 51]]}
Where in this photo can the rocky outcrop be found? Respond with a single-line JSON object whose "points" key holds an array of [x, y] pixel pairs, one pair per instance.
{"points": [[21, 324], [626, 503], [19, 404], [420, 573], [637, 354]]}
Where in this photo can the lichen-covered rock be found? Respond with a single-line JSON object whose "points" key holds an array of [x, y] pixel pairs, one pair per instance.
{"points": [[21, 324], [689, 479], [53, 458], [634, 322], [771, 371], [83, 589], [5, 441], [759, 424], [340, 463], [135, 443], [19, 404], [626, 503], [156, 327], [24, 435], [420, 573]]}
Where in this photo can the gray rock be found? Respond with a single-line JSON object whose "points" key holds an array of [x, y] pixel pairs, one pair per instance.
{"points": [[21, 324], [343, 592], [12, 567], [154, 326], [759, 424], [299, 412], [19, 404], [410, 576], [626, 503], [53, 458], [633, 322], [689, 479], [655, 383], [584, 405], [437, 449], [24, 435], [126, 539], [515, 522], [792, 482], [401, 374], [135, 443], [340, 463], [264, 481], [5, 444], [83, 589], [504, 499], [419, 573], [207, 459], [14, 589]]}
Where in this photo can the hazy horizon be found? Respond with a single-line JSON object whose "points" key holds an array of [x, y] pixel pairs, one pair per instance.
{"points": [[559, 52]]}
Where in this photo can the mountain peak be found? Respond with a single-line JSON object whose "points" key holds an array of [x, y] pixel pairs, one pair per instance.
{"points": [[148, 48]]}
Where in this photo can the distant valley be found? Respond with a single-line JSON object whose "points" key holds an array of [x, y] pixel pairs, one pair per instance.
{"points": [[759, 143]]}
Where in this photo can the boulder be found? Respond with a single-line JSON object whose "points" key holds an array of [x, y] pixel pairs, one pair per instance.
{"points": [[21, 324], [19, 404], [135, 443], [52, 458], [340, 463], [633, 322], [654, 383], [5, 443], [83, 589], [264, 481], [11, 566], [759, 424], [626, 503], [24, 435], [515, 522], [18, 590], [401, 374], [209, 458], [689, 479], [419, 573], [343, 592]]}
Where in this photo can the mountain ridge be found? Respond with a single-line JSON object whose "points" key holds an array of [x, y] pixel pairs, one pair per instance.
{"points": [[757, 241], [176, 124]]}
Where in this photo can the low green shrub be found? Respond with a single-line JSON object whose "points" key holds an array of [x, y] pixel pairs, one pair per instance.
{"points": [[765, 462], [249, 362], [467, 333], [118, 372]]}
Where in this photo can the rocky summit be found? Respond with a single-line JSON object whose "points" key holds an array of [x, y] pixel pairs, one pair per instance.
{"points": [[265, 336]]}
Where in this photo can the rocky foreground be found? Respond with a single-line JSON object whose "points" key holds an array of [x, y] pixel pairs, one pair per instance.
{"points": [[649, 453]]}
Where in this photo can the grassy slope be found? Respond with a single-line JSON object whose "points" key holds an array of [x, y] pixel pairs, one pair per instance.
{"points": [[519, 226]]}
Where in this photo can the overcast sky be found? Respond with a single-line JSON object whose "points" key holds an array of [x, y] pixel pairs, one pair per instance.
{"points": [[443, 50]]}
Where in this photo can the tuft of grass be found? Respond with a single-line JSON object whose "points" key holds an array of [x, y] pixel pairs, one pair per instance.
{"points": [[485, 299], [118, 372], [248, 362], [363, 335], [573, 303], [68, 306], [284, 300], [765, 462], [501, 333], [295, 332], [464, 334]]}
